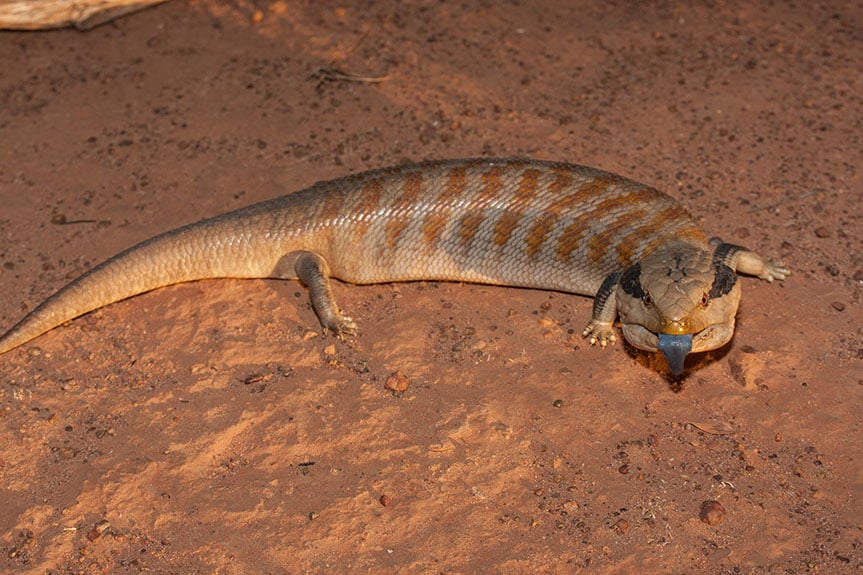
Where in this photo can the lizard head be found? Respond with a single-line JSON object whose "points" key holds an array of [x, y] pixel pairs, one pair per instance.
{"points": [[678, 300]]}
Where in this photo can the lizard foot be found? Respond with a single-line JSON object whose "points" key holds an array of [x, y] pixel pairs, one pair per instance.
{"points": [[599, 332], [774, 270], [342, 327]]}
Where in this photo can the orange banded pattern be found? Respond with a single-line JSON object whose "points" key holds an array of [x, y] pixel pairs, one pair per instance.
{"points": [[475, 212], [435, 220], [510, 219]]}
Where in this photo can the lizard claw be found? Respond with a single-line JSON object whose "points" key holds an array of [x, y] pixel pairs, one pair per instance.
{"points": [[343, 327], [774, 270], [599, 332]]}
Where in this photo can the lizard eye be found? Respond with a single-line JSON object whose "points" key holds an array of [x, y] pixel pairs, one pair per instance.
{"points": [[647, 300], [705, 299]]}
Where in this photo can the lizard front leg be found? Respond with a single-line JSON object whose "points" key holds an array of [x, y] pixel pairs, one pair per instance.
{"points": [[601, 326], [748, 262]]}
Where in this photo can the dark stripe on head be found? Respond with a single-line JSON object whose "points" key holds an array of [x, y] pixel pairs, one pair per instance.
{"points": [[723, 281], [724, 275], [630, 281]]}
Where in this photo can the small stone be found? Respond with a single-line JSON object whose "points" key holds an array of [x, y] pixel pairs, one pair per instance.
{"points": [[623, 469], [621, 526], [822, 232], [838, 306], [558, 403], [98, 530], [712, 512], [478, 346], [858, 276], [198, 368], [254, 378], [68, 452], [384, 500], [278, 8], [397, 382]]}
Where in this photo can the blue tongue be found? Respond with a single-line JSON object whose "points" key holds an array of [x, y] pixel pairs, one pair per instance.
{"points": [[675, 348]]}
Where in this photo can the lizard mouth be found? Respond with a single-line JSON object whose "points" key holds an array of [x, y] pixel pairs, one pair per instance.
{"points": [[675, 347]]}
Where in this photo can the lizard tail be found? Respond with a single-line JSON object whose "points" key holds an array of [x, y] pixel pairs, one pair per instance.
{"points": [[186, 254]]}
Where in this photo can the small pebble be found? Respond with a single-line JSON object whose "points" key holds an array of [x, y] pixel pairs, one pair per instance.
{"points": [[621, 526], [838, 306], [98, 530], [254, 378], [558, 403], [712, 512], [623, 469], [478, 346], [397, 382], [385, 500], [822, 232]]}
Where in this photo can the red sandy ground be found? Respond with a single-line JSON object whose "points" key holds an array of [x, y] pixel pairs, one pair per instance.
{"points": [[209, 428]]}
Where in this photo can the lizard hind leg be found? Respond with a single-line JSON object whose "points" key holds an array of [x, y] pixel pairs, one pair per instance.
{"points": [[313, 271]]}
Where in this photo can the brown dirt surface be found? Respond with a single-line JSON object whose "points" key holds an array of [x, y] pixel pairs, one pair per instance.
{"points": [[210, 428]]}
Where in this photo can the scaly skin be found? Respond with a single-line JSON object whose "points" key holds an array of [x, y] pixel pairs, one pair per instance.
{"points": [[510, 222]]}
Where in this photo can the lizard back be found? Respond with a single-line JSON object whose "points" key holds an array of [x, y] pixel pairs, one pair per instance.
{"points": [[515, 222]]}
